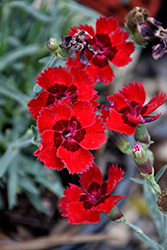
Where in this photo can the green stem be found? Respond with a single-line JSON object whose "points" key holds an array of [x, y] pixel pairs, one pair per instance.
{"points": [[142, 236], [165, 231]]}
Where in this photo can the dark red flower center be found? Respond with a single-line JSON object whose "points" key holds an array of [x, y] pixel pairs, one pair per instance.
{"points": [[102, 44], [94, 195], [132, 109], [58, 91], [68, 134]]}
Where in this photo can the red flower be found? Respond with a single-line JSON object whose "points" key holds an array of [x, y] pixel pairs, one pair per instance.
{"points": [[84, 204], [67, 135], [74, 84], [126, 110], [109, 43]]}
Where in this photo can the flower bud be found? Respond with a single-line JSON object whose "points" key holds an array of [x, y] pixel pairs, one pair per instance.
{"points": [[141, 134], [53, 46], [142, 160], [115, 214], [121, 142]]}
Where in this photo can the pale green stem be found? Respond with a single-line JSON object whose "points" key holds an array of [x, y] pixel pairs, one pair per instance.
{"points": [[165, 231], [141, 235]]}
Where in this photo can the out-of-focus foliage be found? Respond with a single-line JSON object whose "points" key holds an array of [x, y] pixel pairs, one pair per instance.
{"points": [[25, 27]]}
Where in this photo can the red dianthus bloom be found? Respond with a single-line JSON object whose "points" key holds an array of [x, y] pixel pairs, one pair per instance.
{"points": [[67, 135], [74, 84], [84, 204], [109, 43], [126, 109]]}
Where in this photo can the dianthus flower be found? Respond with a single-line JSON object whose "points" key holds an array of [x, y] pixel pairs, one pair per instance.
{"points": [[126, 109], [107, 44], [67, 135], [74, 84], [84, 204]]}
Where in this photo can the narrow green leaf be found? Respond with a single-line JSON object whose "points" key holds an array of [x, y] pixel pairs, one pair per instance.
{"points": [[27, 184], [36, 202], [151, 200], [160, 173], [37, 88], [12, 184], [139, 181], [29, 8], [6, 159], [17, 53], [14, 94], [55, 187]]}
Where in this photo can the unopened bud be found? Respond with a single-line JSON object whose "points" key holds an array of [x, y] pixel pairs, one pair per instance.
{"points": [[115, 214], [141, 134], [121, 142], [52, 44], [142, 160]]}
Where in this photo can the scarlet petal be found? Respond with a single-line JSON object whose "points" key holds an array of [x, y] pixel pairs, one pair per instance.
{"points": [[134, 92], [154, 103], [71, 194], [84, 113], [81, 78], [77, 214], [116, 123], [52, 114], [104, 74], [122, 57], [104, 25], [85, 27], [36, 104], [75, 162], [114, 176], [93, 174], [53, 76], [94, 136], [47, 152], [108, 203]]}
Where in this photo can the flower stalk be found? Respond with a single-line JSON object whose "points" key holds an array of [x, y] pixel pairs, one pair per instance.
{"points": [[141, 235]]}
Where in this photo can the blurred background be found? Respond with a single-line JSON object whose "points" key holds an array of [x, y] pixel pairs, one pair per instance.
{"points": [[29, 194]]}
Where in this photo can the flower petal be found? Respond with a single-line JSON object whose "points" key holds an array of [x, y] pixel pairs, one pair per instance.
{"points": [[47, 152], [52, 114], [114, 176], [116, 123], [134, 92], [71, 194], [104, 25], [77, 214], [77, 161], [94, 136], [108, 203], [154, 103], [84, 113], [93, 174], [39, 102], [52, 76]]}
